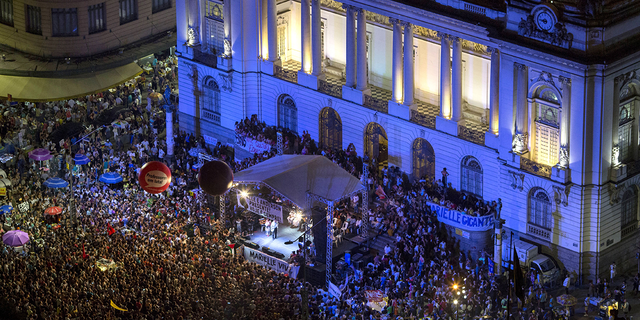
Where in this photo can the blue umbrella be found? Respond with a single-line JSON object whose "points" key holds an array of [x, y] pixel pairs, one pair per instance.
{"points": [[110, 178], [6, 209], [56, 183], [80, 159]]}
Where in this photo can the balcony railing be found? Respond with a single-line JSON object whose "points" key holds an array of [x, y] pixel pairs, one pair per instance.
{"points": [[205, 57], [376, 104], [209, 115], [329, 88], [629, 229], [471, 135], [423, 119], [535, 168], [538, 232], [284, 74]]}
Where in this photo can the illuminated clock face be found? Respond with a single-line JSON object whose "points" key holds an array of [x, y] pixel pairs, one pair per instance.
{"points": [[545, 21]]}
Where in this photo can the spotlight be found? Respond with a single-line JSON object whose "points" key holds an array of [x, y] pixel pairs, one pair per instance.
{"points": [[244, 194]]}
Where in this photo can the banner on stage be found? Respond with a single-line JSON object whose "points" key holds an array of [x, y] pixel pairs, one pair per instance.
{"points": [[262, 207], [252, 145], [265, 260], [461, 220]]}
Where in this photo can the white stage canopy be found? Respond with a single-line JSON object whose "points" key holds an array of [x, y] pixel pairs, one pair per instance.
{"points": [[295, 175]]}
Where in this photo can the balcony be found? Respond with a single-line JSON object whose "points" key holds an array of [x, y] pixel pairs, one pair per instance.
{"points": [[331, 86], [629, 229], [288, 71], [204, 57], [538, 232], [535, 168], [378, 99], [472, 132], [211, 116]]}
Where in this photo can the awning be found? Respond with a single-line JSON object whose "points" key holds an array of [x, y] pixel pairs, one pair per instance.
{"points": [[294, 175], [52, 89]]}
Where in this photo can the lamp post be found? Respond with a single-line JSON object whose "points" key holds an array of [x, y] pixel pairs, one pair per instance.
{"points": [[456, 303]]}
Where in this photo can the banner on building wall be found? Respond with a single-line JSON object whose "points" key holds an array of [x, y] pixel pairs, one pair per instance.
{"points": [[3, 192], [210, 140], [461, 220], [265, 260], [252, 145], [261, 207]]}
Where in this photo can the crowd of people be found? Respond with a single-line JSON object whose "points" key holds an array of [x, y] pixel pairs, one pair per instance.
{"points": [[168, 257]]}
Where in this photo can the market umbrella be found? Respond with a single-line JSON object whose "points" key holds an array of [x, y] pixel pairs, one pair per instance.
{"points": [[80, 159], [111, 178], [3, 174], [56, 183], [6, 209], [15, 238], [120, 124], [40, 154], [52, 211], [567, 300]]}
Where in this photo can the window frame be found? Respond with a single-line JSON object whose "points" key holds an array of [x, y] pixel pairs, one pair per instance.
{"points": [[466, 172], [629, 208], [128, 17], [6, 12], [535, 204], [98, 9], [66, 28], [33, 23], [160, 5], [287, 114]]}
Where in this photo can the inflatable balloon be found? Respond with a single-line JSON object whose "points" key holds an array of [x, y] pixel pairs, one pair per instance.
{"points": [[154, 177], [215, 177]]}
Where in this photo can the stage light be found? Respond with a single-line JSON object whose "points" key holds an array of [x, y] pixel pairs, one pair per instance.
{"points": [[455, 301], [244, 194]]}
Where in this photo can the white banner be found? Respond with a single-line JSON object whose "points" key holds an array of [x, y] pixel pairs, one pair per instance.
{"points": [[262, 207], [334, 291], [252, 145], [210, 140], [461, 220], [265, 260]]}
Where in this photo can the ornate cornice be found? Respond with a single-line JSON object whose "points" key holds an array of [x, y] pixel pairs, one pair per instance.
{"points": [[378, 18], [345, 7], [564, 80], [518, 50], [520, 66], [427, 33]]}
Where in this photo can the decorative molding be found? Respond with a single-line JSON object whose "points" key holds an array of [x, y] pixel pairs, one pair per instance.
{"points": [[426, 32], [518, 180], [615, 155], [193, 35], [227, 47], [378, 18], [333, 5], [520, 50], [346, 7], [519, 144], [422, 133], [558, 36], [546, 77], [520, 66], [627, 77], [475, 47], [227, 82], [615, 193], [564, 80], [561, 195], [394, 21], [564, 156]]}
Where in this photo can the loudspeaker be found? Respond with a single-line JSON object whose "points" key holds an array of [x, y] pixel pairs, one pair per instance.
{"points": [[319, 232]]}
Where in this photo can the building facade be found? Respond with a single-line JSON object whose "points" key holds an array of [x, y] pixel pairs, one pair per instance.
{"points": [[532, 102]]}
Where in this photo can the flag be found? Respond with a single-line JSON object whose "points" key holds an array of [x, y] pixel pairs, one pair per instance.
{"points": [[518, 278], [111, 229], [116, 307], [84, 255], [380, 193]]}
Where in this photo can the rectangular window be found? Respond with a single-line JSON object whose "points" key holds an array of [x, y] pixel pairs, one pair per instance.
{"points": [[214, 36], [34, 17], [64, 22], [282, 42], [624, 141], [128, 11], [547, 144], [96, 18], [159, 5], [6, 12]]}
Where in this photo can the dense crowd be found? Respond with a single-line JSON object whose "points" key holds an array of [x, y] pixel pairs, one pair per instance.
{"points": [[166, 257]]}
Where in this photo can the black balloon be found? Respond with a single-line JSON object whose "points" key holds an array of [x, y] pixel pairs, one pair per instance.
{"points": [[215, 177]]}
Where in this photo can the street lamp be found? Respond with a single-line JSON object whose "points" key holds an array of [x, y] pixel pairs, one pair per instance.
{"points": [[456, 303]]}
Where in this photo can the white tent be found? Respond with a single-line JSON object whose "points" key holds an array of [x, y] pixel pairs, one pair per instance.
{"points": [[295, 175]]}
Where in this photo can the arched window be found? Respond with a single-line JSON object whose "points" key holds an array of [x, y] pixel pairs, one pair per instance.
{"points": [[423, 159], [210, 100], [330, 129], [376, 145], [287, 113], [471, 176], [540, 208], [627, 119], [547, 124], [629, 212]]}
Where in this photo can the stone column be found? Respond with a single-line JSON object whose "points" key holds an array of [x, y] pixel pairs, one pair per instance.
{"points": [[169, 129], [351, 46], [226, 14], [565, 120], [317, 34], [409, 80], [396, 64], [522, 125], [363, 79], [494, 91], [445, 76], [272, 30], [615, 148], [456, 80], [305, 33]]}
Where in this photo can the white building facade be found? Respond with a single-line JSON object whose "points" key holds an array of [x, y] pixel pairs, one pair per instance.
{"points": [[517, 101]]}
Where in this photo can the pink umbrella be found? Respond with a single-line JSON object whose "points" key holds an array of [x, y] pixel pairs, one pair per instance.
{"points": [[40, 154], [15, 238]]}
